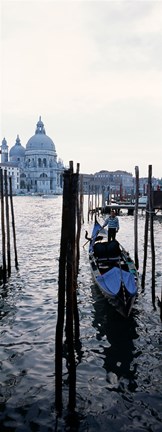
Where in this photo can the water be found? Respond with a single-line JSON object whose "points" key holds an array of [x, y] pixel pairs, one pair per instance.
{"points": [[119, 363]]}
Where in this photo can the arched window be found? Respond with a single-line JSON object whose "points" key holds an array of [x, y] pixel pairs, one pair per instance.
{"points": [[43, 175], [22, 184], [44, 162]]}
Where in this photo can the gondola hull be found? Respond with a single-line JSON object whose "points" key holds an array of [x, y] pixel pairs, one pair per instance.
{"points": [[114, 272]]}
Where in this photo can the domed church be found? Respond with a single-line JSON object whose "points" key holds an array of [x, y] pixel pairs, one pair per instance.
{"points": [[17, 152], [40, 172]]}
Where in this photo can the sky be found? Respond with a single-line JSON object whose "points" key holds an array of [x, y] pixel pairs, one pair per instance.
{"points": [[93, 71]]}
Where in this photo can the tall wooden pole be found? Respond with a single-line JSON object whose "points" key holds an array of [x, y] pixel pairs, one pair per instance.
{"points": [[103, 199], [95, 198], [3, 227], [151, 232], [98, 198], [145, 247], [7, 224], [13, 223], [81, 198], [89, 201], [79, 214], [70, 287], [78, 219], [67, 287], [136, 219], [61, 294], [92, 204]]}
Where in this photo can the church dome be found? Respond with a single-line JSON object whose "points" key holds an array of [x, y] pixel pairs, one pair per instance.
{"points": [[17, 150], [40, 141]]}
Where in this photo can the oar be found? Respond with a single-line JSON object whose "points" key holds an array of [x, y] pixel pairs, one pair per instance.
{"points": [[89, 239], [86, 243]]}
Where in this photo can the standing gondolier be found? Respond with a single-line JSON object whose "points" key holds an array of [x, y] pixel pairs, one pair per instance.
{"points": [[112, 223]]}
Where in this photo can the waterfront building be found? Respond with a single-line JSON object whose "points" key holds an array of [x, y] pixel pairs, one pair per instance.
{"points": [[40, 172], [117, 183], [109, 181], [12, 168], [13, 171]]}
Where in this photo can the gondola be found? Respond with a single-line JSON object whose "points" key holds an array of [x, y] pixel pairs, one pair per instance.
{"points": [[113, 271]]}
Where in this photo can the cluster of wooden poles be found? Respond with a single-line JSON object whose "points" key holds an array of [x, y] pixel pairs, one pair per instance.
{"points": [[72, 218], [149, 226], [6, 197], [149, 223]]}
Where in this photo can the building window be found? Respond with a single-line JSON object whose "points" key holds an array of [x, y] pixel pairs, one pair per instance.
{"points": [[45, 162]]}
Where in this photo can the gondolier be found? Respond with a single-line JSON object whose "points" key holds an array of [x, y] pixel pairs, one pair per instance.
{"points": [[112, 222]]}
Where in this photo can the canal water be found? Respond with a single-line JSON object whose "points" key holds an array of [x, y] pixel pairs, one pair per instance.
{"points": [[119, 362]]}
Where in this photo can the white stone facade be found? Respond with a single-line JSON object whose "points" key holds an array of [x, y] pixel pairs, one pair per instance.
{"points": [[40, 173], [13, 172]]}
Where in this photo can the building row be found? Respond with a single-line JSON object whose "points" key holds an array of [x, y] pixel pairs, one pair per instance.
{"points": [[118, 183], [35, 169]]}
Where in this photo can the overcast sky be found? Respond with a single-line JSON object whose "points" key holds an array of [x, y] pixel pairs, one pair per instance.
{"points": [[93, 71]]}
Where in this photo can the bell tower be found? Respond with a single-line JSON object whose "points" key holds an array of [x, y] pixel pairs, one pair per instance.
{"points": [[4, 151]]}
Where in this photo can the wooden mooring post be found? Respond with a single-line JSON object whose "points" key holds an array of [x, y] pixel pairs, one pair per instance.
{"points": [[4, 269], [89, 203], [136, 218], [13, 223], [81, 199], [5, 225], [149, 218], [151, 213], [67, 284], [93, 200]]}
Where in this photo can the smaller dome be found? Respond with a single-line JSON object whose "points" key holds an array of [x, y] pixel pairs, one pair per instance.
{"points": [[17, 150]]}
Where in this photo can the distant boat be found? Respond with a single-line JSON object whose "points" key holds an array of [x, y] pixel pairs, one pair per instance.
{"points": [[141, 200], [49, 196]]}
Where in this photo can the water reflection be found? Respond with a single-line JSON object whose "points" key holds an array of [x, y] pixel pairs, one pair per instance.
{"points": [[119, 353]]}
